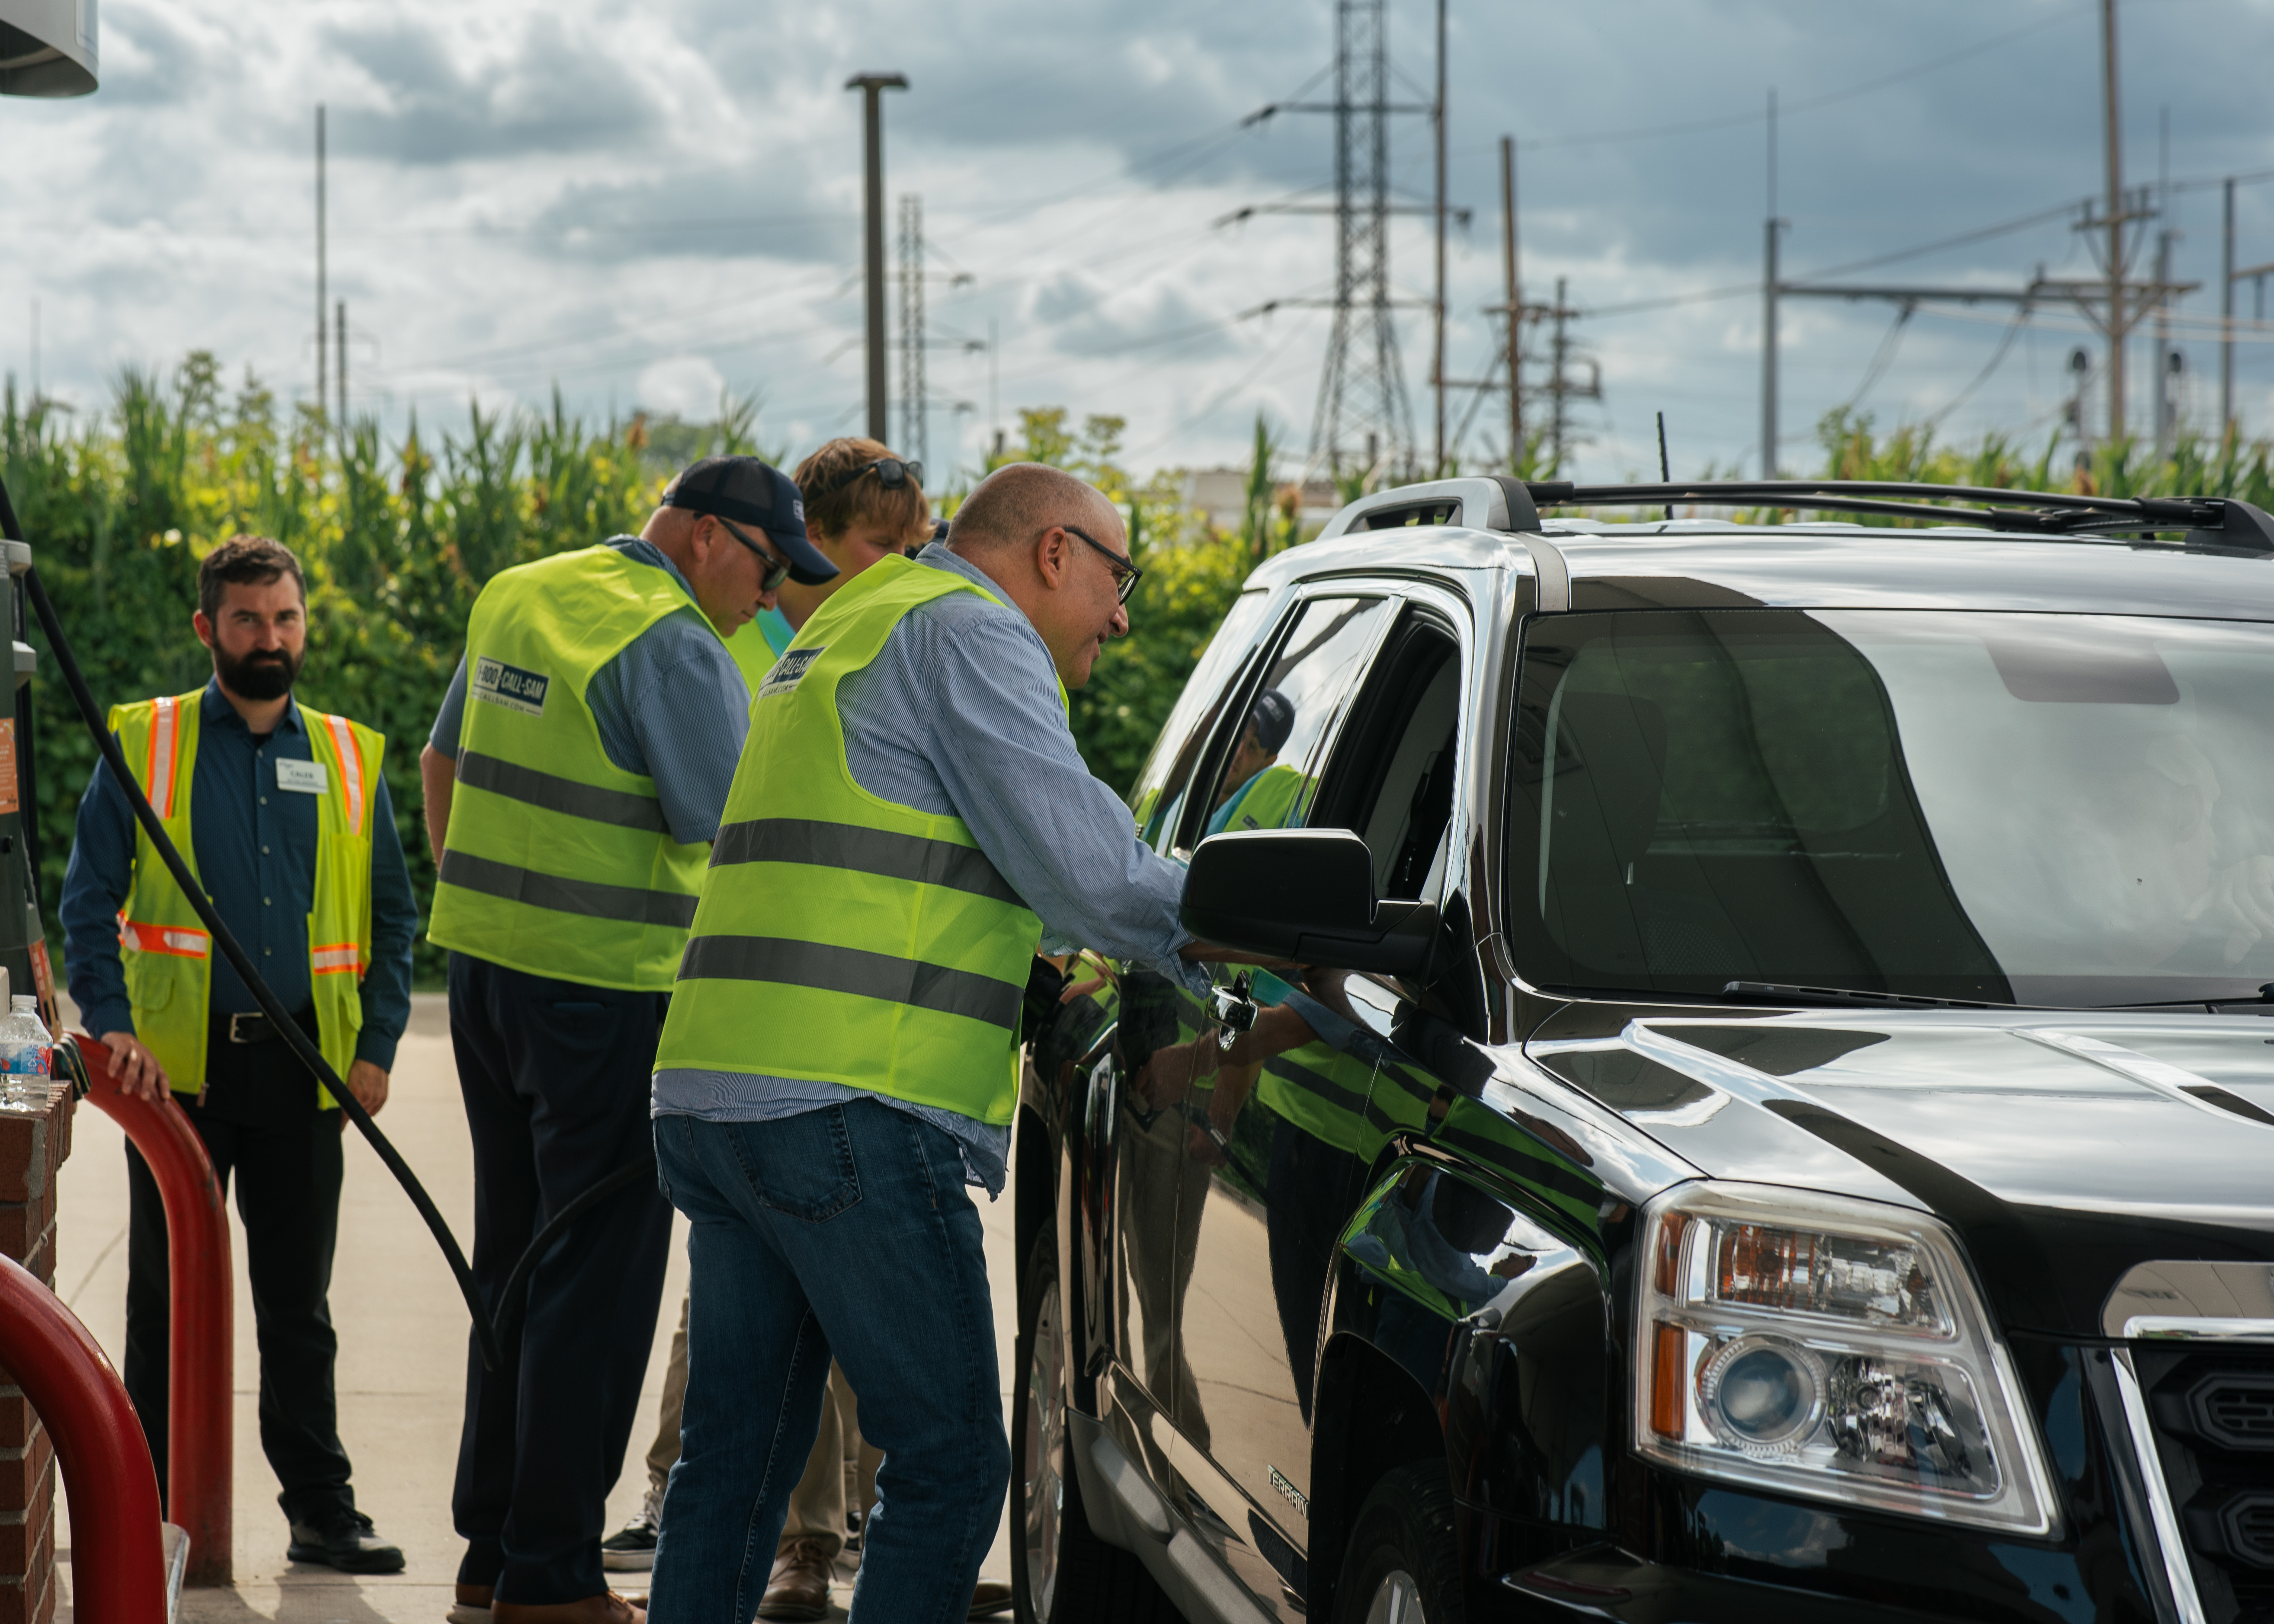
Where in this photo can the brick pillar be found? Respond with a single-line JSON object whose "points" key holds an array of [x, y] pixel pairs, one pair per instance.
{"points": [[32, 1145]]}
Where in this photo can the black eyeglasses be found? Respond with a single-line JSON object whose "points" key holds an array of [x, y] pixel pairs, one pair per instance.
{"points": [[777, 568], [891, 472], [1125, 574]]}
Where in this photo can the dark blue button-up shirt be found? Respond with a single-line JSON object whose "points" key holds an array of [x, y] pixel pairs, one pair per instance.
{"points": [[255, 849]]}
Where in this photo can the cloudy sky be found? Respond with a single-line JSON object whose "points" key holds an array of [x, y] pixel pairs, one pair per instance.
{"points": [[646, 204]]}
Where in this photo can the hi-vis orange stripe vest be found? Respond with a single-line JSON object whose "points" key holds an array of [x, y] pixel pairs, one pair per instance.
{"points": [[168, 952]]}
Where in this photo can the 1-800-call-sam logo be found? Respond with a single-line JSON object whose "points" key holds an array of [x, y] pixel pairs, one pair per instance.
{"points": [[497, 683]]}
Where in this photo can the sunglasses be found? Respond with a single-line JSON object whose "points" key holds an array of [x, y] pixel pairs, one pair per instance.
{"points": [[777, 568], [1125, 573], [892, 473]]}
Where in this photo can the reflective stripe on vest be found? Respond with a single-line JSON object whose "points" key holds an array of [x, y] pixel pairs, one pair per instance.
{"points": [[841, 938], [165, 753], [168, 956], [557, 862], [177, 940], [590, 897], [550, 790], [864, 850]]}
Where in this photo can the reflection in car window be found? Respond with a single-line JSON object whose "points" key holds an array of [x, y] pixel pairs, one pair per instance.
{"points": [[2051, 809], [1271, 770], [1168, 771]]}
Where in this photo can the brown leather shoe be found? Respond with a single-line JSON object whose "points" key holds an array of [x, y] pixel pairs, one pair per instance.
{"points": [[605, 1608], [799, 1585], [469, 1604], [989, 1597]]}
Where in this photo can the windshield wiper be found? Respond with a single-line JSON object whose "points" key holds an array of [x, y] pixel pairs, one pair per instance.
{"points": [[1848, 995]]}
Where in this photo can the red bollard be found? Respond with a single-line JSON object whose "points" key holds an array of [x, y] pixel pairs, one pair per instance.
{"points": [[199, 1419], [117, 1565]]}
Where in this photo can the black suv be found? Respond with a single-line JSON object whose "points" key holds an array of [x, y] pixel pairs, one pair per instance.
{"points": [[1746, 1099]]}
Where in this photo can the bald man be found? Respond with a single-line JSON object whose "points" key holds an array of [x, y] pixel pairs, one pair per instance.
{"points": [[837, 1064]]}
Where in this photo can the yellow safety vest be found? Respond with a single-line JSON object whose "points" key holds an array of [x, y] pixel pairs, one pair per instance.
{"points": [[558, 862], [841, 938], [167, 953]]}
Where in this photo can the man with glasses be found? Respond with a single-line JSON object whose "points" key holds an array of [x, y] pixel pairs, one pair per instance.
{"points": [[574, 779], [910, 817]]}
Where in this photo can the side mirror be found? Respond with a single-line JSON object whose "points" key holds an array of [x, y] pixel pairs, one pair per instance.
{"points": [[1305, 896]]}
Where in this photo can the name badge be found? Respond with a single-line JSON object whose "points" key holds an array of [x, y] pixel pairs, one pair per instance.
{"points": [[308, 777]]}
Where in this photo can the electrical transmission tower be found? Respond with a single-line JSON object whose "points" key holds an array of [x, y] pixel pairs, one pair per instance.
{"points": [[913, 440], [1362, 391]]}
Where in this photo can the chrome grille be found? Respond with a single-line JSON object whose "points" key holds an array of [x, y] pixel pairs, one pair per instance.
{"points": [[2235, 1408], [2249, 1527], [2211, 1411]]}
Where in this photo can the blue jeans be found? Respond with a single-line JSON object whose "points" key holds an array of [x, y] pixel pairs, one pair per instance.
{"points": [[844, 1231]]}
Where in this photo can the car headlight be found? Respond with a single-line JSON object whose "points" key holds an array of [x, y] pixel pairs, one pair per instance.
{"points": [[1836, 1349]]}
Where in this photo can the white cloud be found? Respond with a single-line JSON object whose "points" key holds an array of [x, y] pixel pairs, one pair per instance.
{"points": [[646, 204], [686, 386]]}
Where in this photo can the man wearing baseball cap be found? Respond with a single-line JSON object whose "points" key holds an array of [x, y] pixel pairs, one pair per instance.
{"points": [[574, 779]]}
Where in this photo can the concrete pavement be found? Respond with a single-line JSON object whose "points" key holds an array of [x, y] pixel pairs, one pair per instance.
{"points": [[402, 1351]]}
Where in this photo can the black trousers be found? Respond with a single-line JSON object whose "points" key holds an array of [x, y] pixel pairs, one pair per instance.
{"points": [[555, 1076], [263, 1132]]}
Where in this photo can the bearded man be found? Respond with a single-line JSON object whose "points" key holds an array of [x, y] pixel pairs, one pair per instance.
{"points": [[284, 818]]}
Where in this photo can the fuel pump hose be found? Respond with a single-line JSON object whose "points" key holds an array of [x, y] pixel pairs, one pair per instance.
{"points": [[486, 1327]]}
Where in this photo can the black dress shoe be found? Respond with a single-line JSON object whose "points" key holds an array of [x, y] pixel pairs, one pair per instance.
{"points": [[352, 1546]]}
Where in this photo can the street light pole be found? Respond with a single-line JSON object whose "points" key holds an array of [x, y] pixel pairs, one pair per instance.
{"points": [[872, 153]]}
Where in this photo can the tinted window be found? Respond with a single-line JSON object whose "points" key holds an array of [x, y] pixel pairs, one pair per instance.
{"points": [[1268, 771], [1168, 771], [2051, 809]]}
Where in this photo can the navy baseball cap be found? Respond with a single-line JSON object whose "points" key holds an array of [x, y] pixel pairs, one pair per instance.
{"points": [[750, 491], [1272, 718]]}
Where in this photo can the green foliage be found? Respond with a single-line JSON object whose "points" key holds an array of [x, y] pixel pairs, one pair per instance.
{"points": [[2197, 466], [396, 541]]}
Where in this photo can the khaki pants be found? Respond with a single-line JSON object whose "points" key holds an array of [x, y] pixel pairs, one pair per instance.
{"points": [[840, 1470]]}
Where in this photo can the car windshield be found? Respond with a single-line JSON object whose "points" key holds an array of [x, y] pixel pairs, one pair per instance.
{"points": [[2036, 809]]}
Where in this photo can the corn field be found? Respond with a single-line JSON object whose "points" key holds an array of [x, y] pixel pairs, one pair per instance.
{"points": [[397, 540]]}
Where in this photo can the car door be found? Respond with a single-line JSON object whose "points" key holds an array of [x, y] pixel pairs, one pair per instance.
{"points": [[1369, 694], [1131, 1308]]}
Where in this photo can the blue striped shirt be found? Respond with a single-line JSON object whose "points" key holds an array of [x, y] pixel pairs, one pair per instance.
{"points": [[959, 714]]}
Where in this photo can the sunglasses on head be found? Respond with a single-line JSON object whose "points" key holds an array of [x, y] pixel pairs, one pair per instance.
{"points": [[892, 473], [777, 566]]}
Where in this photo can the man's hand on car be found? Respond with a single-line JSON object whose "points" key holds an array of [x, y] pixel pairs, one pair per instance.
{"points": [[1168, 1074], [135, 1069]]}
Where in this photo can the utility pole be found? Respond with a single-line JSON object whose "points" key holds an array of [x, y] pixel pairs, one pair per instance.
{"points": [[35, 350], [913, 440], [322, 337], [871, 86], [2112, 118], [1514, 302], [1437, 356], [1769, 291], [1362, 389], [2166, 407], [2226, 313], [342, 330]]}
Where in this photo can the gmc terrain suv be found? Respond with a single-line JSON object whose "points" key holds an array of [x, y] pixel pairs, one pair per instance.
{"points": [[1739, 1088]]}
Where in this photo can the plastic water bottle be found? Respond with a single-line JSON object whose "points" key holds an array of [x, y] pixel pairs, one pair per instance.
{"points": [[27, 1056]]}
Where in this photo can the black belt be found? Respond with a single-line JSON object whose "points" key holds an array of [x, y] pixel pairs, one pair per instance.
{"points": [[247, 1028]]}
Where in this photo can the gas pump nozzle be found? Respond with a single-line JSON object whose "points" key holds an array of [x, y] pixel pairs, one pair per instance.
{"points": [[1233, 1009]]}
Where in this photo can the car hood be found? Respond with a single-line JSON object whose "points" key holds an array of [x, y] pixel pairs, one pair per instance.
{"points": [[2064, 1147]]}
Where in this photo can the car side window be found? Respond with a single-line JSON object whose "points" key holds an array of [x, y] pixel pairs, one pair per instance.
{"points": [[1168, 771], [1266, 771], [1393, 775]]}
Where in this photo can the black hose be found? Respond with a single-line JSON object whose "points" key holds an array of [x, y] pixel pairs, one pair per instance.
{"points": [[241, 962], [516, 1284]]}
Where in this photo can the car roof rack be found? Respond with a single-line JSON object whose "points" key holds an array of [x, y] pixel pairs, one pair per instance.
{"points": [[1499, 502]]}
